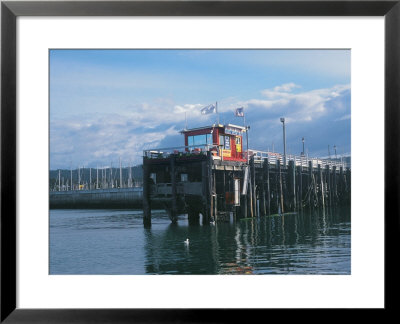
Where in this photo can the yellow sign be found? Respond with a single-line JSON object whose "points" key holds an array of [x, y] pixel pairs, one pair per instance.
{"points": [[238, 145], [226, 153]]}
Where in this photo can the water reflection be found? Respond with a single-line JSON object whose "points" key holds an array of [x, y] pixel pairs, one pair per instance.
{"points": [[316, 242], [115, 242]]}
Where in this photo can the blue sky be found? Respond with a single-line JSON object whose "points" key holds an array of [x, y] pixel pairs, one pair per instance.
{"points": [[111, 104]]}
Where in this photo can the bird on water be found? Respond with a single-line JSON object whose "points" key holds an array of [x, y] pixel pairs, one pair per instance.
{"points": [[187, 241]]}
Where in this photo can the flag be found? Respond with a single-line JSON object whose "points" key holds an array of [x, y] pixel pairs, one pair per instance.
{"points": [[239, 112], [210, 109]]}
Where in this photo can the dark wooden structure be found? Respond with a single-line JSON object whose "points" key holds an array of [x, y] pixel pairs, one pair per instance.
{"points": [[196, 181]]}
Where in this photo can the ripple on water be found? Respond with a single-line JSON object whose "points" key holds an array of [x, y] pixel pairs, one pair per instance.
{"points": [[115, 242]]}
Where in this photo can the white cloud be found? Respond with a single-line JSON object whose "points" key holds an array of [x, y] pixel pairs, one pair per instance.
{"points": [[287, 87], [302, 106], [103, 137], [345, 117]]}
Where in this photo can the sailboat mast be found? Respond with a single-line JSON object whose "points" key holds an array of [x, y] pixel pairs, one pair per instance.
{"points": [[120, 173]]}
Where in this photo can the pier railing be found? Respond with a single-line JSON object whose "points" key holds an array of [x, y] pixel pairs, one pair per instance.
{"points": [[299, 160], [180, 150], [302, 160]]}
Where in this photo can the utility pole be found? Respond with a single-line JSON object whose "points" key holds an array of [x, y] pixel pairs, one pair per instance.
{"points": [[284, 141]]}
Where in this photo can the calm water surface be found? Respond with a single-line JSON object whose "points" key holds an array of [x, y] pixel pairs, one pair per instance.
{"points": [[115, 242]]}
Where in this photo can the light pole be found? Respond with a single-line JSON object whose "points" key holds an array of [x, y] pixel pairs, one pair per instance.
{"points": [[247, 142], [284, 141], [302, 153]]}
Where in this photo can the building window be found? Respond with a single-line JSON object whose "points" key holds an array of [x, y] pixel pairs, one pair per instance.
{"points": [[200, 140], [225, 142], [221, 140], [209, 139]]}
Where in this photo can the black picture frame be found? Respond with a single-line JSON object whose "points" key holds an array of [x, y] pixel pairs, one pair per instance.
{"points": [[10, 10]]}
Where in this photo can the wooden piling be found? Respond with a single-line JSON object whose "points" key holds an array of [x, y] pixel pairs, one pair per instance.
{"points": [[146, 195], [280, 186], [300, 186], [334, 185], [243, 205], [214, 196], [261, 186], [275, 191], [341, 182], [292, 184], [348, 179], [263, 199], [210, 180], [321, 182], [205, 193], [348, 187], [328, 186], [253, 188], [225, 188], [266, 185], [310, 184], [173, 212]]}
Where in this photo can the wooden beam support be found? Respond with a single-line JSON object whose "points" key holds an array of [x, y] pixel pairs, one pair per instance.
{"points": [[146, 195]]}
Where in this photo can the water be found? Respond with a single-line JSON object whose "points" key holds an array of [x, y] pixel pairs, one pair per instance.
{"points": [[115, 242]]}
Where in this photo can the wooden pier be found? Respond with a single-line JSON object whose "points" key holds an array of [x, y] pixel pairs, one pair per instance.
{"points": [[198, 182]]}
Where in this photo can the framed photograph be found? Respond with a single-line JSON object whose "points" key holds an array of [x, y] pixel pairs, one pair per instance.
{"points": [[162, 159]]}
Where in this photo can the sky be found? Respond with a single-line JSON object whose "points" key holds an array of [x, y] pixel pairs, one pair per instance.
{"points": [[107, 105]]}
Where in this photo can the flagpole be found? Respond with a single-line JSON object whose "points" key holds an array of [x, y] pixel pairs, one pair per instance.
{"points": [[247, 136], [216, 108], [185, 121]]}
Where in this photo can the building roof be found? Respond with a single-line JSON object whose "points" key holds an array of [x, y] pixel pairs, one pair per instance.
{"points": [[242, 128]]}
